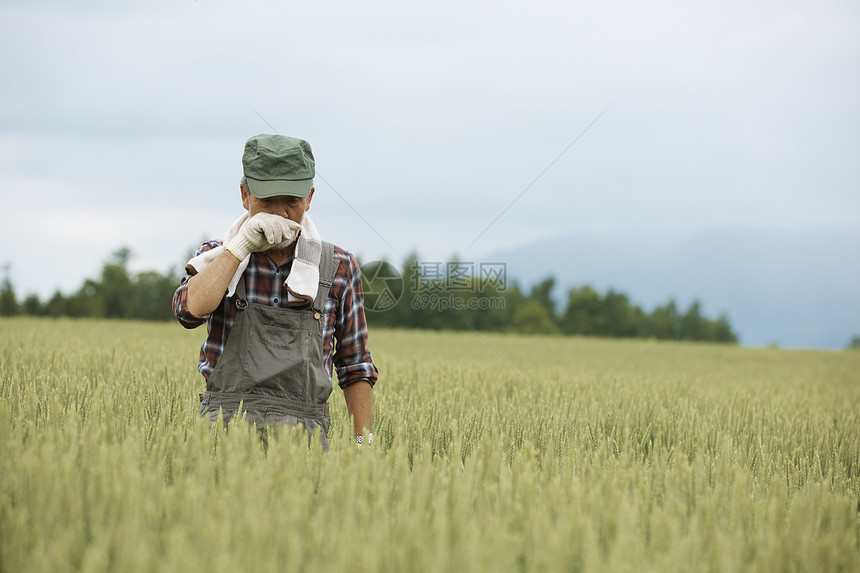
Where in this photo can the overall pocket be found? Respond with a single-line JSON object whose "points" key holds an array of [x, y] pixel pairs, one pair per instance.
{"points": [[278, 354]]}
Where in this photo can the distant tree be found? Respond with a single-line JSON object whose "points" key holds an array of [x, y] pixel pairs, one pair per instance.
{"points": [[854, 344], [150, 297], [533, 317], [86, 302], [407, 315], [665, 322], [542, 294], [512, 298], [8, 301], [115, 286], [32, 306], [619, 317], [721, 330], [56, 305], [692, 325], [583, 312]]}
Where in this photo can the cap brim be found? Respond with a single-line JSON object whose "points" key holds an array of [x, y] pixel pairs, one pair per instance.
{"points": [[265, 189]]}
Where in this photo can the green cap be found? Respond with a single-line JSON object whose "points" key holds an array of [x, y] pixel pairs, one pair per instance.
{"points": [[278, 165]]}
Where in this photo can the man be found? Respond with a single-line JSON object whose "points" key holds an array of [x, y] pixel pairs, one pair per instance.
{"points": [[274, 298]]}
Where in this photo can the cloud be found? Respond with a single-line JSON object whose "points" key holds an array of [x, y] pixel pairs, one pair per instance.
{"points": [[428, 120]]}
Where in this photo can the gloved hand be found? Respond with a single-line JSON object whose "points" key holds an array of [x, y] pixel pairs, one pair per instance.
{"points": [[262, 232]]}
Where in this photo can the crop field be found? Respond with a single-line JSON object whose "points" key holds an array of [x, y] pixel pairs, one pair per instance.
{"points": [[492, 453]]}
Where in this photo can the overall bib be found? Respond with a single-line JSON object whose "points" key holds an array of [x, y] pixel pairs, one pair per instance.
{"points": [[272, 363]]}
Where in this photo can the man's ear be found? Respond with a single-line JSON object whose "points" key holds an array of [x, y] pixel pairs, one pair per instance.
{"points": [[310, 196], [245, 200]]}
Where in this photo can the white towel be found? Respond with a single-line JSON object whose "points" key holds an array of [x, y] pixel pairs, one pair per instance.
{"points": [[303, 281]]}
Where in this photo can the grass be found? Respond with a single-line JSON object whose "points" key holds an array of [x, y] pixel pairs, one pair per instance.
{"points": [[493, 452]]}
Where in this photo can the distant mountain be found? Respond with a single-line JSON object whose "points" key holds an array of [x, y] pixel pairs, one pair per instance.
{"points": [[794, 289]]}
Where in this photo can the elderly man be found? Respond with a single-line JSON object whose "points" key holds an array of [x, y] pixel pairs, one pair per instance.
{"points": [[274, 298]]}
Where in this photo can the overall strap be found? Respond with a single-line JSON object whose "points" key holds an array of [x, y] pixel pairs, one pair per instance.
{"points": [[328, 267], [240, 295]]}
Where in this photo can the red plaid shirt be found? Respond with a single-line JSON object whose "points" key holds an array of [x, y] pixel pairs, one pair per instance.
{"points": [[264, 281]]}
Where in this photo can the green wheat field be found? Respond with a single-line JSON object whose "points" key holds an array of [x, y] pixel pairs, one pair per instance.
{"points": [[493, 453]]}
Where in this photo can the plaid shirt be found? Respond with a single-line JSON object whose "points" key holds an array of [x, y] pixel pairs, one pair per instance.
{"points": [[264, 281]]}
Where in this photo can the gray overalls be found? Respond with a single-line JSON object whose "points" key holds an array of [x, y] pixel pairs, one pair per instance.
{"points": [[272, 363]]}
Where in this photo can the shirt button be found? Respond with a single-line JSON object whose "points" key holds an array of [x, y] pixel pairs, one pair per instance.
{"points": [[317, 315]]}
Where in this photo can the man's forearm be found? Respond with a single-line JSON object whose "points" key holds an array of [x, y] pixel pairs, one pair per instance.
{"points": [[359, 403], [206, 288]]}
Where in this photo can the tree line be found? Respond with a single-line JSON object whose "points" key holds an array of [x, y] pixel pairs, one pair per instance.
{"points": [[435, 296], [487, 302], [116, 293]]}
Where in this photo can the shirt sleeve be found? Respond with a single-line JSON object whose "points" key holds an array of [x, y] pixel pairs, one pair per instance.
{"points": [[352, 359], [180, 297]]}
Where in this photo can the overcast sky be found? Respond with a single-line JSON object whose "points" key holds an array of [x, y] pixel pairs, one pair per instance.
{"points": [[123, 124]]}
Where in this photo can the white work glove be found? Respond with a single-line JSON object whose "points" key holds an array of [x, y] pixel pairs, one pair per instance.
{"points": [[262, 232]]}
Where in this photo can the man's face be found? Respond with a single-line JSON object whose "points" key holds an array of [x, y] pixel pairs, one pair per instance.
{"points": [[287, 206]]}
